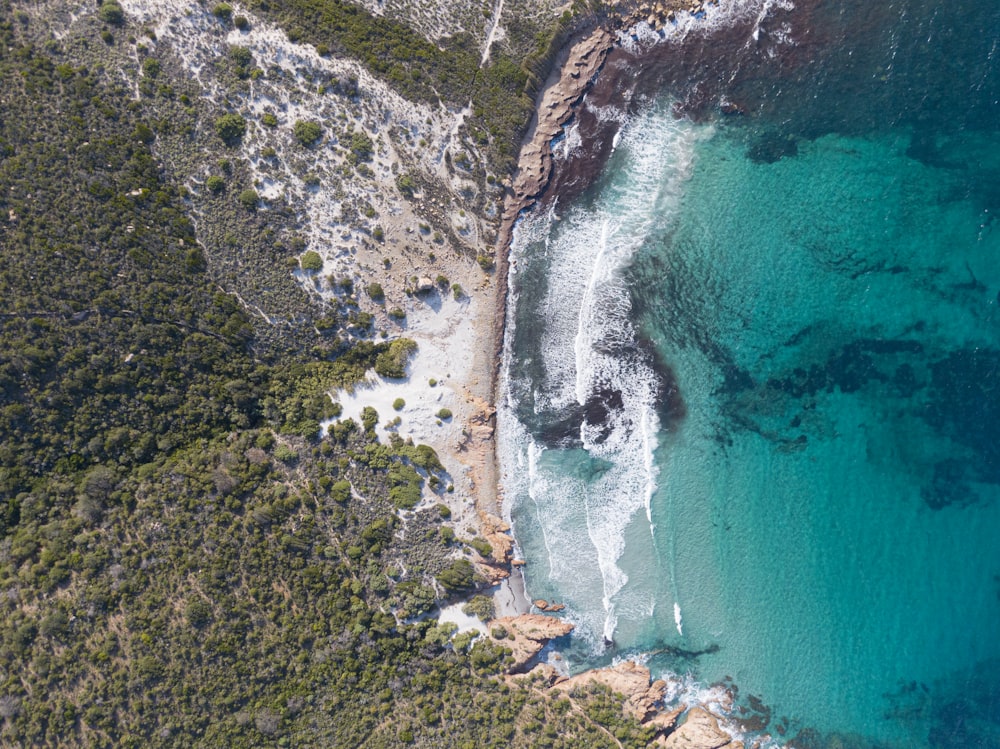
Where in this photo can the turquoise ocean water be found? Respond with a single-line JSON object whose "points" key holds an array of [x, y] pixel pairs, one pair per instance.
{"points": [[752, 415]]}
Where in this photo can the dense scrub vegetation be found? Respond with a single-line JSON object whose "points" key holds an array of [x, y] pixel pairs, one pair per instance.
{"points": [[184, 560], [502, 93]]}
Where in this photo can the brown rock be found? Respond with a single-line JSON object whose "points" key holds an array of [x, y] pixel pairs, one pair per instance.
{"points": [[530, 632], [517, 563], [555, 107], [628, 679], [700, 730], [665, 722], [541, 604], [496, 532], [492, 573]]}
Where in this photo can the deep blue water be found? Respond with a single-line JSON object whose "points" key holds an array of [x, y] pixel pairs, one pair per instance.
{"points": [[753, 391]]}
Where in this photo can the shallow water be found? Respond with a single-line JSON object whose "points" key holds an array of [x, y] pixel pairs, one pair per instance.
{"points": [[753, 396]]}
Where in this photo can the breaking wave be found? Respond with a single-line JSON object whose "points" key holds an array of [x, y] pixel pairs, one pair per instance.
{"points": [[583, 368]]}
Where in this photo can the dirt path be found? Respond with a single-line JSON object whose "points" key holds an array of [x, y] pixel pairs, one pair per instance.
{"points": [[491, 37]]}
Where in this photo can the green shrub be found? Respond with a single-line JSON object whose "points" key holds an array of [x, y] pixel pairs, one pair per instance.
{"points": [[223, 11], [444, 413], [480, 606], [340, 491], [111, 12], [406, 185], [396, 313], [444, 511], [311, 262], [375, 292], [361, 147], [457, 577], [392, 362], [248, 199], [240, 55], [457, 291], [143, 133], [399, 404], [215, 183], [285, 454], [150, 67], [231, 128], [241, 23], [485, 262], [482, 547], [268, 119], [406, 486], [307, 132], [198, 612]]}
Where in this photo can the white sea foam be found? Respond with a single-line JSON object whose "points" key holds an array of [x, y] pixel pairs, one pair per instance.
{"points": [[648, 430], [584, 500], [712, 18]]}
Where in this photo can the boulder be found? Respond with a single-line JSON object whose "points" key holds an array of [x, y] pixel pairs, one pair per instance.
{"points": [[527, 634], [700, 730], [628, 679], [497, 533], [665, 722]]}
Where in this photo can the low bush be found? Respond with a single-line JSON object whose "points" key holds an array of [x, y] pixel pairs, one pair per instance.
{"points": [[307, 132], [231, 128]]}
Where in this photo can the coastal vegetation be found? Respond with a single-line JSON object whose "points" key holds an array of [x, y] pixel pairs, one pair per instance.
{"points": [[186, 560], [501, 92]]}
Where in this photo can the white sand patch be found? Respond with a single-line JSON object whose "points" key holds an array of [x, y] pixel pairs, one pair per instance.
{"points": [[445, 339], [510, 597], [448, 338], [465, 622]]}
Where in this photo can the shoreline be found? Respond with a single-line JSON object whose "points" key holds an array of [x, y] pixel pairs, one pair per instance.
{"points": [[575, 72], [557, 102], [576, 65]]}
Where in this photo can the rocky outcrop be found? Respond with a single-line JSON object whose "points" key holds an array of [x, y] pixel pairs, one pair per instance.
{"points": [[563, 91], [527, 634], [700, 730], [657, 13], [497, 533], [555, 108], [628, 679], [697, 729], [542, 605]]}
